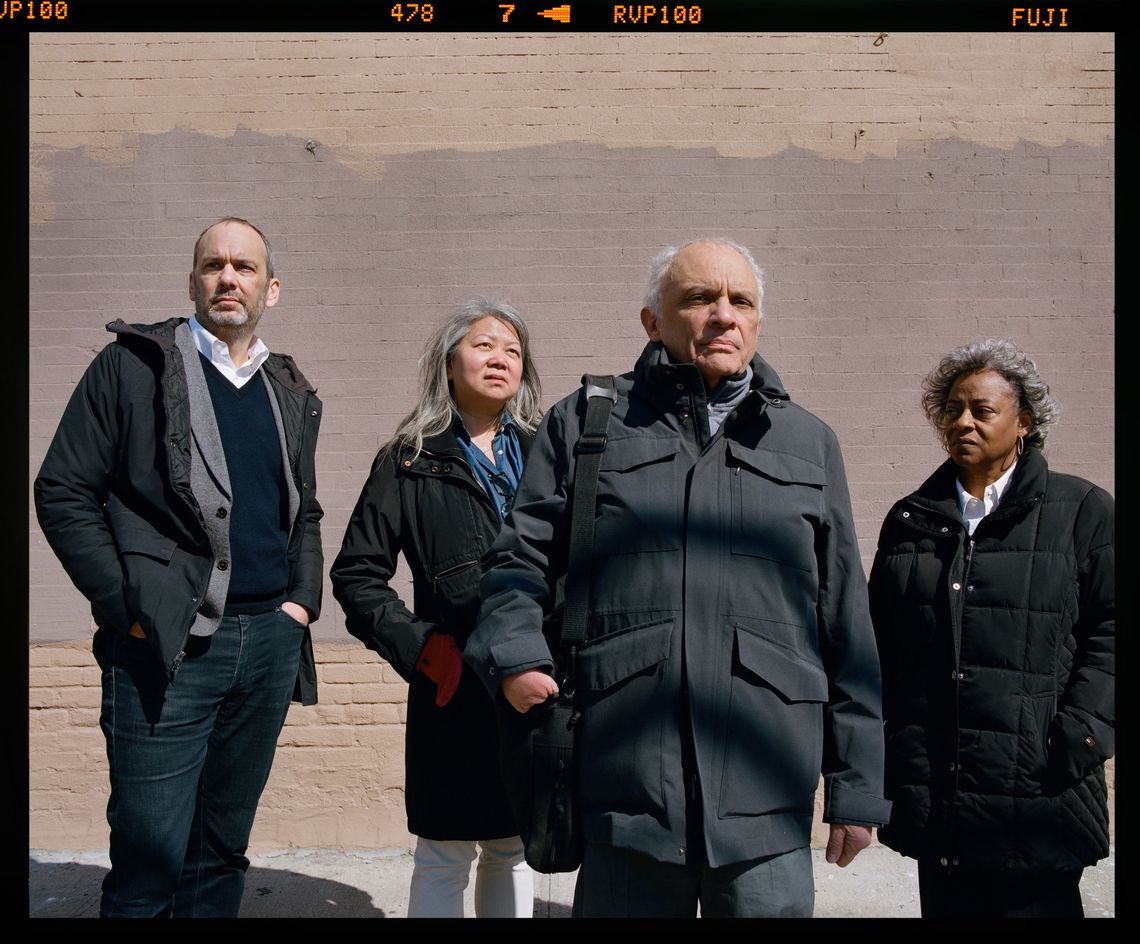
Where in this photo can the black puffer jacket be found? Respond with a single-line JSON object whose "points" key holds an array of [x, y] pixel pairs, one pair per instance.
{"points": [[997, 657], [433, 511]]}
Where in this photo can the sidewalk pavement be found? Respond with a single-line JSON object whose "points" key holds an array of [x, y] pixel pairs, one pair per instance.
{"points": [[330, 883]]}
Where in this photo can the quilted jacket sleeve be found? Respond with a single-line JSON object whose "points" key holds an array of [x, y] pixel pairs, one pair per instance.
{"points": [[1083, 732]]}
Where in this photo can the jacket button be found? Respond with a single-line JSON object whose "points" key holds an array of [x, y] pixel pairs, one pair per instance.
{"points": [[680, 386], [306, 485], [906, 514], [957, 586], [407, 463], [954, 675], [313, 413], [1090, 742], [223, 565], [960, 676], [953, 767], [681, 851], [953, 861], [970, 588], [221, 513], [944, 861]]}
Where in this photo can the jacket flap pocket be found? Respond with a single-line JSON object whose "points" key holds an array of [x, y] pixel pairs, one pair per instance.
{"points": [[145, 541], [611, 659], [793, 676], [781, 466], [622, 455]]}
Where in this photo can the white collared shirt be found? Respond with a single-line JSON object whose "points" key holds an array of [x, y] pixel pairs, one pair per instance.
{"points": [[217, 352], [974, 509]]}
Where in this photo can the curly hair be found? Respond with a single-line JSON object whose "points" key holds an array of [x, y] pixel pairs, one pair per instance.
{"points": [[1007, 359]]}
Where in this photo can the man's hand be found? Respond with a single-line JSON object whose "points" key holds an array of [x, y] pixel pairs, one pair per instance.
{"points": [[526, 689], [846, 842], [296, 611]]}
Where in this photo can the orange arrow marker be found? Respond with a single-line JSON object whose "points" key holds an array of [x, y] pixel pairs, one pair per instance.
{"points": [[561, 14]]}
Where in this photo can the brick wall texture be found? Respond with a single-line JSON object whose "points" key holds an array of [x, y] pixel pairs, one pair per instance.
{"points": [[904, 194]]}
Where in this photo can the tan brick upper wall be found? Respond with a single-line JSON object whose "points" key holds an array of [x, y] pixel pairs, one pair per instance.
{"points": [[842, 96]]}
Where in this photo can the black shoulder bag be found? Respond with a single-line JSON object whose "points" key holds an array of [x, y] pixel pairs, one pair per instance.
{"points": [[537, 748]]}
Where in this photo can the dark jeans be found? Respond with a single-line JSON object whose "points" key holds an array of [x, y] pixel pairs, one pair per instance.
{"points": [[955, 894], [188, 763], [618, 883]]}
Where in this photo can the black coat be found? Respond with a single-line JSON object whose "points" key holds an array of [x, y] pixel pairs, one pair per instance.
{"points": [[997, 657], [114, 500], [727, 601], [433, 511]]}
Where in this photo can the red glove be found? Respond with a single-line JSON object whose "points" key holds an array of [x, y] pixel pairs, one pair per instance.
{"points": [[442, 662]]}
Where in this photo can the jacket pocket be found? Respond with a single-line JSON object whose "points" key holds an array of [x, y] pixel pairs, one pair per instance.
{"points": [[625, 708], [774, 743], [777, 501], [145, 556], [455, 590], [637, 503]]}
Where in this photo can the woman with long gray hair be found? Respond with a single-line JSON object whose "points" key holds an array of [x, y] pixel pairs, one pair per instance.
{"points": [[993, 602], [437, 494]]}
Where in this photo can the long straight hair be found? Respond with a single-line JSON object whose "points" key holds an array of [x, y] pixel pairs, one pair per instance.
{"points": [[432, 414]]}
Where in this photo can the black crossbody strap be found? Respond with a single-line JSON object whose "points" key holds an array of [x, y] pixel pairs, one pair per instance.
{"points": [[600, 400]]}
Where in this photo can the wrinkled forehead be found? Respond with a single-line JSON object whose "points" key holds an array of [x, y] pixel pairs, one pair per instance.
{"points": [[493, 325], [712, 264], [986, 384], [232, 236]]}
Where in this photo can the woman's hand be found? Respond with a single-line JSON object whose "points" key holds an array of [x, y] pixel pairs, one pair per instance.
{"points": [[526, 689]]}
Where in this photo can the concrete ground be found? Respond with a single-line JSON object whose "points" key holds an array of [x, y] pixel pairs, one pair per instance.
{"points": [[328, 883]]}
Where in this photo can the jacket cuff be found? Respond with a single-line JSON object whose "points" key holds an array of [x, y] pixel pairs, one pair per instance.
{"points": [[310, 601], [111, 611], [843, 805], [1075, 748], [510, 658]]}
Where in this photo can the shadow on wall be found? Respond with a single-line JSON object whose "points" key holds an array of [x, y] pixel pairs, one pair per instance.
{"points": [[72, 890]]}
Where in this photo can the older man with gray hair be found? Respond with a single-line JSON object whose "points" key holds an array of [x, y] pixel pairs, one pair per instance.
{"points": [[729, 656]]}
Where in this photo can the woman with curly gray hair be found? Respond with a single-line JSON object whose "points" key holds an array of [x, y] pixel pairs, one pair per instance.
{"points": [[993, 603]]}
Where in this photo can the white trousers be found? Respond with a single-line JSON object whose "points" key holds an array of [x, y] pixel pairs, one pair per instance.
{"points": [[504, 883]]}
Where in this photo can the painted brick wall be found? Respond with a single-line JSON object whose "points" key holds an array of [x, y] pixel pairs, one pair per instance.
{"points": [[902, 197]]}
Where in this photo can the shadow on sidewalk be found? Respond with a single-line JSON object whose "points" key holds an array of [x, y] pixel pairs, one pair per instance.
{"points": [[72, 889]]}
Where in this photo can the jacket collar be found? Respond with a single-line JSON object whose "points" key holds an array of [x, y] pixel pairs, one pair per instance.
{"points": [[280, 367], [1027, 486], [658, 368], [445, 443]]}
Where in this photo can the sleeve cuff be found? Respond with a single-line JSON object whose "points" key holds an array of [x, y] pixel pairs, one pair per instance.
{"points": [[843, 805]]}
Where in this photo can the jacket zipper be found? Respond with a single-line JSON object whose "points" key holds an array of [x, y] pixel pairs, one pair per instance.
{"points": [[450, 571]]}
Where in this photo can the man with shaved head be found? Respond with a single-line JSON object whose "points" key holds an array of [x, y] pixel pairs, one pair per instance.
{"points": [[729, 657], [179, 494]]}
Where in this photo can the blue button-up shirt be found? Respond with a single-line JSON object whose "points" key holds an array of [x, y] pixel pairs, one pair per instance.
{"points": [[500, 479]]}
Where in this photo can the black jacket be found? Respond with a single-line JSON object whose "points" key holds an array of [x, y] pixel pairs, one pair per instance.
{"points": [[433, 511], [114, 501], [997, 655], [727, 600]]}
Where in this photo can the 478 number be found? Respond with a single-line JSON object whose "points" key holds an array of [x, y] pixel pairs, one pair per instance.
{"points": [[410, 12]]}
